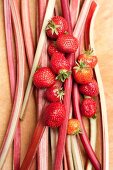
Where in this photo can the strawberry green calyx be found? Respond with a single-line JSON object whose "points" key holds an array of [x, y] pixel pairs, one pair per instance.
{"points": [[89, 52], [60, 93], [80, 66], [77, 132], [63, 75], [94, 116], [51, 25]]}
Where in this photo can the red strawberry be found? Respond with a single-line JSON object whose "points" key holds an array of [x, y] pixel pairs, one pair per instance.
{"points": [[56, 26], [43, 77], [67, 43], [60, 66], [90, 89], [88, 58], [82, 74], [73, 127], [52, 49], [88, 107], [54, 94], [54, 114]]}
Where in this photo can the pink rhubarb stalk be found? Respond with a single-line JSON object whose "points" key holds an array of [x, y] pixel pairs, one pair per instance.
{"points": [[12, 77], [41, 6], [42, 164], [74, 8], [65, 161], [89, 40], [20, 82], [83, 136], [28, 37], [40, 125], [68, 83], [42, 39]]}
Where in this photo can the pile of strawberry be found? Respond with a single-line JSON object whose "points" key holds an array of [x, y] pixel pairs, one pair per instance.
{"points": [[53, 77]]}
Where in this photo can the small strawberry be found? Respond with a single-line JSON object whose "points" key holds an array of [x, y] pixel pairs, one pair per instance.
{"points": [[82, 73], [54, 114], [56, 26], [52, 48], [60, 66], [43, 77], [73, 127], [88, 58], [54, 94], [90, 89], [88, 107], [67, 43]]}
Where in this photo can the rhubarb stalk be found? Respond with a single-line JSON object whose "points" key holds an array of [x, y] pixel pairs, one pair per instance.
{"points": [[12, 77], [28, 37], [89, 40], [83, 135], [78, 163], [68, 83], [93, 124], [74, 8], [68, 147], [20, 82], [93, 134], [37, 135], [42, 39], [43, 146]]}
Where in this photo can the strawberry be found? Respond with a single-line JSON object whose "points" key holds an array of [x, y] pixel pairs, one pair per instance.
{"points": [[56, 26], [88, 58], [67, 43], [55, 114], [90, 89], [43, 77], [88, 107], [54, 94], [82, 73], [52, 48], [73, 127], [60, 66]]}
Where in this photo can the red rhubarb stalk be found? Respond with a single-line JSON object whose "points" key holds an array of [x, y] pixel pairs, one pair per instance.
{"points": [[37, 135], [20, 82], [93, 124], [68, 83], [67, 98], [42, 39], [89, 40], [83, 135]]}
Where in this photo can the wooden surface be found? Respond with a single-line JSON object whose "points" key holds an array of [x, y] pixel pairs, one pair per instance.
{"points": [[104, 46]]}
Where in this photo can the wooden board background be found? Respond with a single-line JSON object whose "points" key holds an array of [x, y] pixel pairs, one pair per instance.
{"points": [[104, 49]]}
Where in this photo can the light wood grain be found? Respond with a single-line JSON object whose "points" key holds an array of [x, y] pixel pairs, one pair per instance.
{"points": [[103, 43]]}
